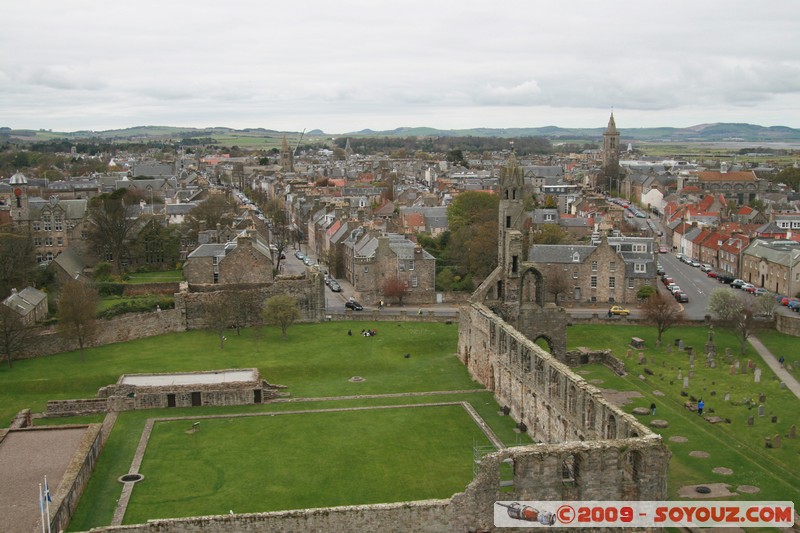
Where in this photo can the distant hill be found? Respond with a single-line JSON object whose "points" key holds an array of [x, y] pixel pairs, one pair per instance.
{"points": [[698, 133], [716, 132]]}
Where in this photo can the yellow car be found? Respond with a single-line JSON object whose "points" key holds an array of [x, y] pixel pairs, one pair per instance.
{"points": [[617, 310]]}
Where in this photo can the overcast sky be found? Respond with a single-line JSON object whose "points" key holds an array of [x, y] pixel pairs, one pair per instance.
{"points": [[346, 65]]}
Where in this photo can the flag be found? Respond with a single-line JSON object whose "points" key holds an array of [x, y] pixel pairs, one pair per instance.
{"points": [[47, 491]]}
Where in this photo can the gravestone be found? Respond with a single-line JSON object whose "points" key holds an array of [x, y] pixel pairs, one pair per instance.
{"points": [[691, 373], [642, 359], [783, 384], [776, 441], [757, 375], [774, 419], [737, 364], [732, 370], [793, 432], [680, 374], [713, 363], [669, 348], [680, 344], [762, 398], [750, 420], [750, 364], [689, 350], [686, 382], [760, 410], [727, 396], [629, 353]]}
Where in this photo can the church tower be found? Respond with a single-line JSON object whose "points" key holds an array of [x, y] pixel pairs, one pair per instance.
{"points": [[287, 162], [509, 227], [611, 153]]}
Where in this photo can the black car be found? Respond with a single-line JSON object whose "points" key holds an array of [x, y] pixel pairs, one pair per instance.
{"points": [[355, 306], [681, 296], [725, 278]]}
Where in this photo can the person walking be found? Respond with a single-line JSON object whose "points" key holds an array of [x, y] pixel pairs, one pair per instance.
{"points": [[700, 406], [653, 409]]}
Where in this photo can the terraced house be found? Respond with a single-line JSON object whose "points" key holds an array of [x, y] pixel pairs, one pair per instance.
{"points": [[774, 265]]}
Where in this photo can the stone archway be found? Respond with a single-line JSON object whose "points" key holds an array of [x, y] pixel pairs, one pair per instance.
{"points": [[544, 342], [532, 287]]}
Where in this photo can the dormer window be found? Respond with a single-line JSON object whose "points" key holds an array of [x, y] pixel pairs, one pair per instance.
{"points": [[576, 257]]}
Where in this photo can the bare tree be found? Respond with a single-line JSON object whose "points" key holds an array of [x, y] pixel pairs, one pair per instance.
{"points": [[396, 288], [279, 228], [281, 310], [661, 311], [14, 334], [218, 312], [111, 226], [77, 308], [765, 305], [557, 281], [734, 311]]}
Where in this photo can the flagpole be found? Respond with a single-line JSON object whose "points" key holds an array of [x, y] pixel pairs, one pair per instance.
{"points": [[47, 500], [41, 507]]}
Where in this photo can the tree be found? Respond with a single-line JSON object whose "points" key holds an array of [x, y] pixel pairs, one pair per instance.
{"points": [[394, 287], [218, 312], [280, 230], [14, 334], [217, 209], [733, 311], [111, 226], [472, 243], [281, 310], [77, 307], [551, 234], [645, 292], [557, 281], [16, 258], [765, 305], [661, 311]]}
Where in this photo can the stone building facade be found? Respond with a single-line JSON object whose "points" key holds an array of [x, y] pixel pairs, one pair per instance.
{"points": [[246, 259]]}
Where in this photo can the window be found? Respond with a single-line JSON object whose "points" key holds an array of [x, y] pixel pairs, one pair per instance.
{"points": [[411, 264], [612, 266], [639, 248], [575, 274], [639, 267], [48, 241], [594, 282], [49, 256], [576, 257], [594, 266], [37, 226], [60, 242], [59, 223], [84, 235], [37, 241], [630, 283], [612, 282], [414, 281], [47, 222]]}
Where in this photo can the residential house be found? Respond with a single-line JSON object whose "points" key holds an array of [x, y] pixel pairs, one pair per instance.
{"points": [[30, 304], [774, 265], [246, 259]]}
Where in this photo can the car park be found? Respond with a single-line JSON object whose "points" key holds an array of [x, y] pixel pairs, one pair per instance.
{"points": [[618, 310], [355, 306]]}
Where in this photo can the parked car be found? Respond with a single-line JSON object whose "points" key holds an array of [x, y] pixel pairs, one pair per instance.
{"points": [[705, 267], [307, 261], [660, 270], [682, 296], [298, 254], [679, 256], [667, 280], [794, 305], [694, 263], [737, 283], [749, 287], [618, 310], [673, 289], [355, 306], [712, 274], [663, 250], [785, 301], [725, 278], [760, 290]]}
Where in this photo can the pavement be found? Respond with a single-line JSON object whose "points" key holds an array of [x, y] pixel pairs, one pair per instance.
{"points": [[772, 361]]}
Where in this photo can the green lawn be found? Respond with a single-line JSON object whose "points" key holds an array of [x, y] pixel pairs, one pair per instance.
{"points": [[736, 445], [154, 277], [267, 463]]}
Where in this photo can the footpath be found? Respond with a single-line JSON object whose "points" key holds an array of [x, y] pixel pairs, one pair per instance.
{"points": [[772, 362]]}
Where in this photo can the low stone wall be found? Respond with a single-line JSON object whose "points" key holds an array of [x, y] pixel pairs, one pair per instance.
{"points": [[75, 478], [585, 356], [430, 516], [788, 324], [22, 420], [403, 316], [76, 407]]}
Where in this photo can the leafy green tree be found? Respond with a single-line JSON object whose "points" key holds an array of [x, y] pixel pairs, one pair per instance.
{"points": [[77, 307], [551, 234], [281, 310], [734, 311], [645, 292], [111, 224]]}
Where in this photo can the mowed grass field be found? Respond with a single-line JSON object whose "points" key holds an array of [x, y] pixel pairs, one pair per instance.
{"points": [[266, 463]]}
